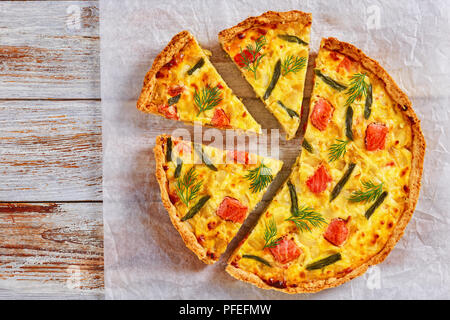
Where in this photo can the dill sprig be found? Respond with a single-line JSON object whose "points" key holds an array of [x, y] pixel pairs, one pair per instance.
{"points": [[372, 192], [337, 150], [207, 98], [187, 186], [293, 64], [357, 89], [260, 177], [251, 64], [305, 218], [270, 234]]}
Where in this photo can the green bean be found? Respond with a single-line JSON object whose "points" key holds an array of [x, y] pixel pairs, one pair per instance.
{"points": [[290, 38], [375, 205], [294, 199], [324, 262], [174, 99], [338, 188], [368, 106], [178, 168], [169, 150], [273, 82], [196, 208], [332, 83], [307, 146], [205, 159], [198, 65], [349, 123], [259, 259], [289, 111]]}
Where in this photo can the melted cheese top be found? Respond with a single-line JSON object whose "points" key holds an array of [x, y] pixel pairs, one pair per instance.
{"points": [[289, 88], [213, 232], [175, 75], [390, 166]]}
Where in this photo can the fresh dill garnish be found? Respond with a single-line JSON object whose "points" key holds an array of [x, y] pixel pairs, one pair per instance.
{"points": [[260, 177], [207, 98], [357, 89], [337, 150], [371, 193], [251, 63], [292, 64], [305, 218], [187, 187], [270, 234]]}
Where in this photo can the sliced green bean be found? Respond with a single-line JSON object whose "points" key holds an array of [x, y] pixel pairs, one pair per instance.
{"points": [[332, 83], [368, 106], [273, 82], [294, 199], [178, 168], [349, 123], [291, 38], [259, 259], [307, 146], [169, 150], [324, 262], [174, 99], [340, 185], [196, 208], [205, 159], [198, 65], [289, 111], [376, 204]]}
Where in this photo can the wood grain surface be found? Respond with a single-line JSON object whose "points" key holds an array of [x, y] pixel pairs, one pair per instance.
{"points": [[51, 237], [50, 246], [49, 50], [50, 151], [51, 222]]}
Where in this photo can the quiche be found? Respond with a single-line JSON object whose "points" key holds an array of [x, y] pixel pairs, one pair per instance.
{"points": [[208, 192], [353, 189], [271, 50], [183, 85]]}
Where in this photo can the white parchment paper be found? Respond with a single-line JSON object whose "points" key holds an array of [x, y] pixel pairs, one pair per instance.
{"points": [[145, 257]]}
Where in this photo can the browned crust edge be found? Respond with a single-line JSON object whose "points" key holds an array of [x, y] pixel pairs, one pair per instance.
{"points": [[418, 154], [186, 234], [177, 43], [227, 35]]}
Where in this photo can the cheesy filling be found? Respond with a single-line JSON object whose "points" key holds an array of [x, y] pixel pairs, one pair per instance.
{"points": [[390, 166], [289, 87], [229, 180], [174, 79]]}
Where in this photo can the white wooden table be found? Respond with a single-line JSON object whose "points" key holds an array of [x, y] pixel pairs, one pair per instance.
{"points": [[51, 225]]}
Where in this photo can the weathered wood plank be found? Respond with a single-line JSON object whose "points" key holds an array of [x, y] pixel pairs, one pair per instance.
{"points": [[49, 50], [50, 151], [51, 247]]}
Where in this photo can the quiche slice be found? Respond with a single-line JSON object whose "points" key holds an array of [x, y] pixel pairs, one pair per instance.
{"points": [[353, 189], [182, 84], [271, 50], [209, 192]]}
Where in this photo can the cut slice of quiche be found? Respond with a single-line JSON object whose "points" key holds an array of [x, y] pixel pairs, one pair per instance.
{"points": [[209, 192], [352, 191], [272, 52], [183, 85]]}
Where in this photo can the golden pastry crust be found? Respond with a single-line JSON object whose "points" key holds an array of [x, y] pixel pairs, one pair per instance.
{"points": [[418, 153], [268, 17], [145, 102], [188, 236]]}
